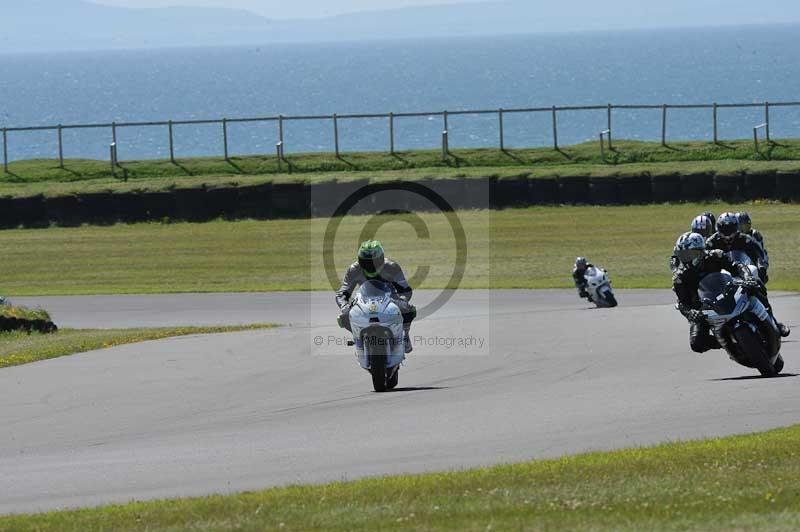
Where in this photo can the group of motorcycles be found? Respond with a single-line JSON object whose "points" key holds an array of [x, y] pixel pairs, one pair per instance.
{"points": [[737, 318]]}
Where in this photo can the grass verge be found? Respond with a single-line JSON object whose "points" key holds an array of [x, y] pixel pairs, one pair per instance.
{"points": [[514, 248], [738, 483], [17, 348], [628, 158]]}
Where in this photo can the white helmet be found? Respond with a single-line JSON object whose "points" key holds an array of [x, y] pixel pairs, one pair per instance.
{"points": [[703, 226], [690, 249]]}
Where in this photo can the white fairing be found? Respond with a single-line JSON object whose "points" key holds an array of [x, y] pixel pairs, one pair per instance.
{"points": [[743, 258], [598, 285], [369, 307]]}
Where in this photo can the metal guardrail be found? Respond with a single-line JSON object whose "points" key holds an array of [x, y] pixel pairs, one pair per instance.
{"points": [[335, 119]]}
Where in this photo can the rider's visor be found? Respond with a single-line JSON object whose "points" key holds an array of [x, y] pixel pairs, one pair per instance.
{"points": [[373, 266], [690, 256]]}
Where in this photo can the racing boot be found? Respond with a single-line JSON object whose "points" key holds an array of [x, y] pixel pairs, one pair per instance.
{"points": [[785, 330], [407, 340]]}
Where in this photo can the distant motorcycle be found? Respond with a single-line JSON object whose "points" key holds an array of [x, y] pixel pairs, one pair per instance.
{"points": [[741, 323], [743, 258], [598, 285], [378, 335]]}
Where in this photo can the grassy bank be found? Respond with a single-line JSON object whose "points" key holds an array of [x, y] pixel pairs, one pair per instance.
{"points": [[22, 348], [22, 313], [515, 248], [740, 483], [628, 158]]}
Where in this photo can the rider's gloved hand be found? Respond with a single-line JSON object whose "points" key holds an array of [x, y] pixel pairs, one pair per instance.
{"points": [[696, 316], [752, 284]]}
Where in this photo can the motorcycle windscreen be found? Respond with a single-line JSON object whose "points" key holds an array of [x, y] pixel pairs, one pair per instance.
{"points": [[718, 293], [374, 289], [737, 255]]}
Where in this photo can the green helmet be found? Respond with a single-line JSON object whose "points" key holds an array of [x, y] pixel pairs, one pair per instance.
{"points": [[371, 258]]}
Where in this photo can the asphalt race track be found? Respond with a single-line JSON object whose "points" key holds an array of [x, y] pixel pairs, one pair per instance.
{"points": [[217, 414]]}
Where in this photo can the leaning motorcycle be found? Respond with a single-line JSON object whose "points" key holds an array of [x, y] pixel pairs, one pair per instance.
{"points": [[741, 323], [598, 285], [378, 336]]}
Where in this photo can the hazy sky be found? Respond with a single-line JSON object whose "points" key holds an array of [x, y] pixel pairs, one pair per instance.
{"points": [[287, 9]]}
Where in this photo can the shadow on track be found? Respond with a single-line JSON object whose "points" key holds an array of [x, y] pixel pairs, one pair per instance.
{"points": [[419, 389], [754, 377]]}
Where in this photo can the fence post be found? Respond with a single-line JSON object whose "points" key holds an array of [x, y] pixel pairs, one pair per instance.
{"points": [[555, 128], [445, 145], [60, 148], [279, 154], [5, 150], [280, 132], [225, 136], [502, 130], [446, 128], [391, 133], [112, 156], [114, 132], [171, 144], [755, 139], [664, 125], [766, 121], [336, 134], [716, 136], [609, 126]]}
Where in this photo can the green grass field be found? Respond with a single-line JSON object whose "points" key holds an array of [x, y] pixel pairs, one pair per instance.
{"points": [[740, 483], [19, 348], [519, 248], [628, 158]]}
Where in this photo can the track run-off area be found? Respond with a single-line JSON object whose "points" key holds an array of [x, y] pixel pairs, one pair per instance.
{"points": [[505, 377]]}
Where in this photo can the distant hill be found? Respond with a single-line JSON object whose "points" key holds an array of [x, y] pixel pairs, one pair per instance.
{"points": [[78, 24]]}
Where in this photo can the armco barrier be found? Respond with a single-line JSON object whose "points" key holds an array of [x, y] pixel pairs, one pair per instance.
{"points": [[511, 192], [787, 186], [636, 189], [543, 191], [65, 211], [759, 186], [299, 200], [573, 190], [695, 187], [98, 207], [604, 190], [728, 187], [665, 188], [255, 201], [290, 200]]}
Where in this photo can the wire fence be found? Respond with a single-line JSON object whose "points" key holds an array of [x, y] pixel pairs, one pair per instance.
{"points": [[334, 120]]}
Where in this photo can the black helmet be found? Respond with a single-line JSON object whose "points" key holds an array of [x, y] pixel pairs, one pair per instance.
{"points": [[371, 258], [728, 226], [581, 263], [712, 218], [745, 222]]}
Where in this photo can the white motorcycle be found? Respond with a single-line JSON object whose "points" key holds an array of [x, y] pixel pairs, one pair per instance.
{"points": [[743, 258], [378, 334], [599, 287]]}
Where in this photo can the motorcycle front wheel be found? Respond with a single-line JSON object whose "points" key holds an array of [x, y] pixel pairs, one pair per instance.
{"points": [[753, 349]]}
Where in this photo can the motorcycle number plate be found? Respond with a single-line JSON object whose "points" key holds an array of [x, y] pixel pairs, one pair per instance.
{"points": [[373, 307]]}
